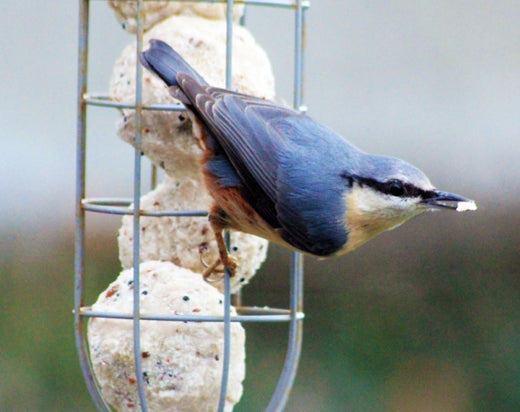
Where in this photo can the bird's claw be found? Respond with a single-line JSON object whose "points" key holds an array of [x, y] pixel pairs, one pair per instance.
{"points": [[231, 265], [210, 270]]}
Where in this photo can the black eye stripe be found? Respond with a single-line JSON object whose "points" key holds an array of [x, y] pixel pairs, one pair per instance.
{"points": [[392, 187]]}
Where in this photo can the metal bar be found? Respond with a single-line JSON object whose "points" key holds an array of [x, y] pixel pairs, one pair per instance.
{"points": [[285, 383], [278, 3], [79, 233], [136, 215], [194, 318], [227, 282], [269, 3], [153, 177], [270, 315], [282, 391], [227, 339], [102, 100], [116, 206], [299, 47], [229, 43]]}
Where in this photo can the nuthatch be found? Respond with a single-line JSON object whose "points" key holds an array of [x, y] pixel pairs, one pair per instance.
{"points": [[276, 173]]}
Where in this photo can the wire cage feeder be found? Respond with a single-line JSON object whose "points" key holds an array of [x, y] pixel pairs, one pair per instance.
{"points": [[115, 206]]}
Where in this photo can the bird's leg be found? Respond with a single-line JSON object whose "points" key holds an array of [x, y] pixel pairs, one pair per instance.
{"points": [[218, 225]]}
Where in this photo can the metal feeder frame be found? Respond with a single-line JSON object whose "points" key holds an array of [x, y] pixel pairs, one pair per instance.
{"points": [[294, 315]]}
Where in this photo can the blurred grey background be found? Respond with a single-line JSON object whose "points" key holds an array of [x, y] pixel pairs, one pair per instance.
{"points": [[426, 317]]}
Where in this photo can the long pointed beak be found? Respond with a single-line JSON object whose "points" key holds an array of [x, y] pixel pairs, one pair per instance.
{"points": [[445, 200]]}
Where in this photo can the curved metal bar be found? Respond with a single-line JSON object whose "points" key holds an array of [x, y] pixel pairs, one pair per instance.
{"points": [[281, 394], [247, 314], [103, 100], [285, 383], [79, 233], [269, 3], [117, 206], [276, 3]]}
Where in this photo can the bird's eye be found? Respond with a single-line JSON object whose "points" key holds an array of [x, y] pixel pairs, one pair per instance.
{"points": [[395, 188], [348, 179]]}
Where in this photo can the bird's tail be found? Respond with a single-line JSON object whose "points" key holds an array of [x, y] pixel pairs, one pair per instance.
{"points": [[166, 63]]}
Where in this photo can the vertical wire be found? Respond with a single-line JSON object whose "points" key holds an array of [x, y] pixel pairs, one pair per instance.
{"points": [[283, 388], [227, 338], [136, 215], [229, 43], [299, 47], [236, 298], [282, 391], [79, 232], [153, 177], [227, 286]]}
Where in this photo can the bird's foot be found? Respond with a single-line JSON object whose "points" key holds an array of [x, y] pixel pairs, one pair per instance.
{"points": [[218, 268]]}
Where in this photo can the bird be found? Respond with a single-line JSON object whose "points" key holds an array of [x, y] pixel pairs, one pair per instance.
{"points": [[274, 172]]}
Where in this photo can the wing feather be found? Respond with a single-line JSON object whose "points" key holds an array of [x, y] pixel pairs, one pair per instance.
{"points": [[272, 149]]}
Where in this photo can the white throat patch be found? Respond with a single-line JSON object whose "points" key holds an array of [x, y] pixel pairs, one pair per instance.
{"points": [[370, 212]]}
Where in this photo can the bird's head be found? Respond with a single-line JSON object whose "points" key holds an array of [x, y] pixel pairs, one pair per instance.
{"points": [[384, 192]]}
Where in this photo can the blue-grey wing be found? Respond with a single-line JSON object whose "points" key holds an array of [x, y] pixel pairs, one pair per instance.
{"points": [[283, 161]]}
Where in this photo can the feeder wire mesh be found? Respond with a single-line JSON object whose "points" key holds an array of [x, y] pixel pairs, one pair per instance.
{"points": [[294, 315]]}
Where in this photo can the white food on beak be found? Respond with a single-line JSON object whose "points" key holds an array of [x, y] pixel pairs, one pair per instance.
{"points": [[465, 206]]}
